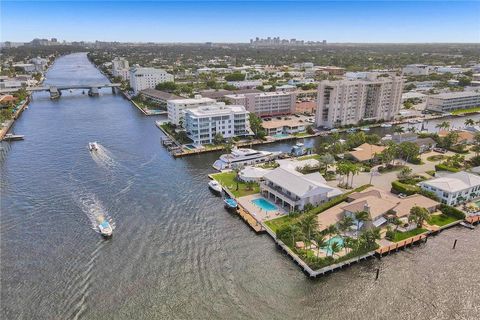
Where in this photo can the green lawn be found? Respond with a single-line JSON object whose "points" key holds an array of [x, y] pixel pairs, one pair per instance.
{"points": [[277, 223], [436, 157], [310, 156], [227, 179], [441, 220], [399, 236], [461, 111]]}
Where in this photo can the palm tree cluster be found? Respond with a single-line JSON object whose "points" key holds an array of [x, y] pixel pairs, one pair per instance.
{"points": [[306, 229], [345, 169]]}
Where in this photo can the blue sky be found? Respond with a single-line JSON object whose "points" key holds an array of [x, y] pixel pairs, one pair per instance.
{"points": [[238, 21]]}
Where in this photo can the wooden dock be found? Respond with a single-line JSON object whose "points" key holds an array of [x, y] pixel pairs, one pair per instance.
{"points": [[401, 244]]}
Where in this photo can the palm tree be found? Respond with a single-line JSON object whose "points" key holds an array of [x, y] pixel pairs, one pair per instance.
{"points": [[412, 129], [345, 223], [294, 231], [361, 216], [469, 122], [348, 243], [443, 125], [354, 169], [335, 248], [399, 130], [331, 230], [308, 222], [320, 240], [327, 159]]}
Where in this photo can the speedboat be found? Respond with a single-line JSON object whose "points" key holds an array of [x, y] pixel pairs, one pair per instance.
{"points": [[215, 186], [352, 130], [365, 129], [105, 228], [387, 137], [386, 125], [93, 146], [242, 157], [230, 204]]}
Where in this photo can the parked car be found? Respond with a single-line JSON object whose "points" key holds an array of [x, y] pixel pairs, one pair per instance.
{"points": [[440, 150]]}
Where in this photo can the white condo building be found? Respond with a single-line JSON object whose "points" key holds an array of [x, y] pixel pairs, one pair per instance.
{"points": [[266, 103], [120, 68], [449, 101], [455, 188], [346, 102], [203, 123], [417, 69], [146, 78], [176, 108]]}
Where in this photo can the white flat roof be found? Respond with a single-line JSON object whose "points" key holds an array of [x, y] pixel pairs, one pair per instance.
{"points": [[455, 182]]}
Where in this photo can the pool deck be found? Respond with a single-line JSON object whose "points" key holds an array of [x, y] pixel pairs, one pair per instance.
{"points": [[258, 213]]}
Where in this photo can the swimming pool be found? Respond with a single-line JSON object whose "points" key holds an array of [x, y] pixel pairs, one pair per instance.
{"points": [[280, 135], [264, 204], [328, 248]]}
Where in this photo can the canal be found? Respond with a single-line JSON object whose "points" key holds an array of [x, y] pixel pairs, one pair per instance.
{"points": [[176, 253]]}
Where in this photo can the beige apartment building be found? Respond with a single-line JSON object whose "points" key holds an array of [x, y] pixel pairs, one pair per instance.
{"points": [[265, 104], [450, 101], [347, 102]]}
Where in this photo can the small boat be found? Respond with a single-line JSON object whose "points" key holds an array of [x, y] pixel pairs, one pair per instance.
{"points": [[215, 186], [13, 137], [230, 204], [352, 130], [365, 129], [105, 228], [93, 146], [386, 125], [387, 137]]}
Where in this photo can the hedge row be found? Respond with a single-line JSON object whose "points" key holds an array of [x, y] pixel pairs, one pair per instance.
{"points": [[444, 167], [336, 200], [404, 188], [452, 212]]}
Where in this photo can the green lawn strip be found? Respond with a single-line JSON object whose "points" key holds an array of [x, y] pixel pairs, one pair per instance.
{"points": [[227, 179], [470, 110], [399, 236], [310, 156], [441, 220]]}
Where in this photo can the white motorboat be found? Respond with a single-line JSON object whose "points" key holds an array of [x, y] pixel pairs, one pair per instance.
{"points": [[93, 146], [387, 137], [386, 125], [104, 227], [243, 157], [215, 186]]}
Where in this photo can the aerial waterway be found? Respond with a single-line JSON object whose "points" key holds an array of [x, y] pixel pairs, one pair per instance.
{"points": [[176, 253]]}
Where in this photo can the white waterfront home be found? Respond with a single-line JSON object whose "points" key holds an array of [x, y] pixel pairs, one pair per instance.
{"points": [[293, 190], [455, 188]]}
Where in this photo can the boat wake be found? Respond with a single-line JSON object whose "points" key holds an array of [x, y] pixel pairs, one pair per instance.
{"points": [[103, 157], [94, 210]]}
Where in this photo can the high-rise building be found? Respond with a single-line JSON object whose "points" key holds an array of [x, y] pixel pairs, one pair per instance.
{"points": [[120, 68], [176, 108], [347, 102], [265, 103], [204, 123], [145, 78]]}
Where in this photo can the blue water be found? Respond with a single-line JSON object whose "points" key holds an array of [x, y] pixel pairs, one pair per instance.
{"points": [[264, 204], [330, 242], [280, 135]]}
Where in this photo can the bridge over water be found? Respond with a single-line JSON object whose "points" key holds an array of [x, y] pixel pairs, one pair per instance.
{"points": [[56, 90]]}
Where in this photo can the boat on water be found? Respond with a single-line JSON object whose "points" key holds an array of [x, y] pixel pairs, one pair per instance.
{"points": [[352, 130], [215, 186], [243, 157], [387, 137], [104, 227], [365, 129], [230, 204], [13, 137], [93, 146], [386, 125], [299, 149]]}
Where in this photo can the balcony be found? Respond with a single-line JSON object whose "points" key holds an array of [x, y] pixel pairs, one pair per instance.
{"points": [[276, 190]]}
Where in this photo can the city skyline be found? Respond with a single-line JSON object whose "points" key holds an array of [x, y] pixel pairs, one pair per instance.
{"points": [[213, 21]]}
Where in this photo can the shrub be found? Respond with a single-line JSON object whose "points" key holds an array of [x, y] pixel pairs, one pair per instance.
{"points": [[390, 235], [429, 194], [452, 212], [415, 161], [444, 167], [399, 187]]}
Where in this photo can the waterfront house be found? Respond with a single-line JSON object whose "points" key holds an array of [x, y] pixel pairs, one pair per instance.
{"points": [[365, 152], [380, 205], [293, 190], [454, 189]]}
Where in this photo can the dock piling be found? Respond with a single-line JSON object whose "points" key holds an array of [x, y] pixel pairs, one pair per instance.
{"points": [[378, 273], [454, 244]]}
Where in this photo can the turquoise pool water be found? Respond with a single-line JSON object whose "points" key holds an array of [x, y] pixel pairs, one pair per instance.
{"points": [[328, 247], [280, 135], [264, 204]]}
